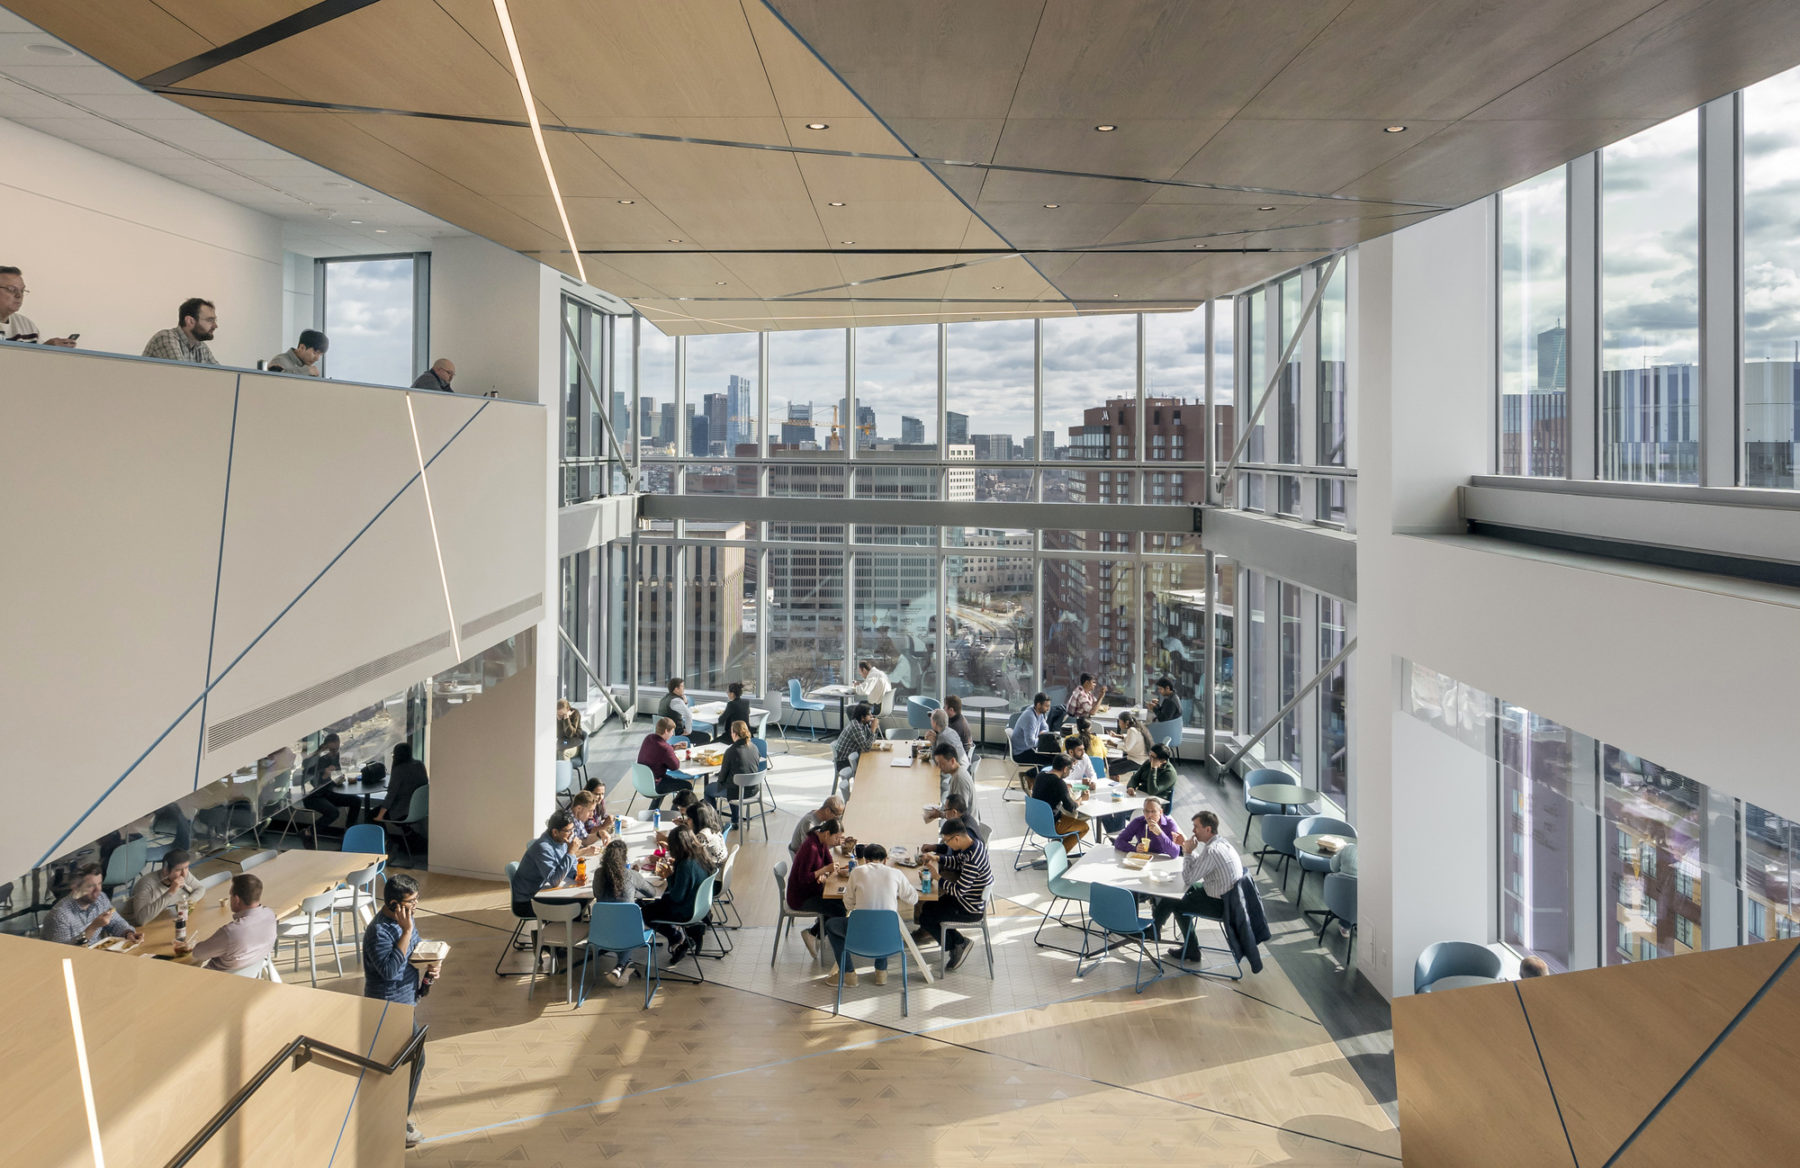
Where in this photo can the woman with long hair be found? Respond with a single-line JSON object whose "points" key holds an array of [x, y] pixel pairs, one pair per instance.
{"points": [[616, 881], [1134, 747], [684, 870]]}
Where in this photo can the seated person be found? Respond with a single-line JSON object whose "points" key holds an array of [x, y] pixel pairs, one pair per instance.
{"points": [[737, 706], [1076, 747], [1534, 966], [963, 876], [406, 776], [1152, 825], [1028, 728], [569, 734], [873, 885], [616, 881], [1052, 787], [86, 913], [832, 808], [1096, 745], [247, 938], [1155, 777], [941, 732], [321, 771], [156, 891], [953, 773], [590, 825], [664, 763], [674, 707], [958, 723], [1134, 746], [954, 807], [683, 870], [547, 863], [739, 768], [806, 878], [1083, 701], [858, 735], [597, 789], [874, 687], [704, 822], [304, 357], [1209, 868], [1167, 707]]}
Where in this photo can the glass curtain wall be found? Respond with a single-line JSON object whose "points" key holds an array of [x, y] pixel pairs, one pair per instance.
{"points": [[1534, 336], [1332, 335], [1771, 405]]}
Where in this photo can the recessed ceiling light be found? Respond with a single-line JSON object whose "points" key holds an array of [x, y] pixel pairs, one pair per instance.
{"points": [[357, 222], [1115, 295], [719, 283], [1051, 206], [818, 126], [1393, 129], [381, 231], [834, 204], [998, 287], [1106, 129], [47, 50], [847, 242], [674, 241], [1199, 245], [1265, 208], [626, 202]]}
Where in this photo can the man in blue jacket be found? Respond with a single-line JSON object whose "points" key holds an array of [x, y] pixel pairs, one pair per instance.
{"points": [[388, 971]]}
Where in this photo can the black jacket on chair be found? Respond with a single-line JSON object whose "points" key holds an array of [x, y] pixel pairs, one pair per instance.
{"points": [[1245, 924]]}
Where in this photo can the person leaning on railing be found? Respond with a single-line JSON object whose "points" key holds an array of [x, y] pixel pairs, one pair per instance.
{"points": [[388, 970], [15, 325]]}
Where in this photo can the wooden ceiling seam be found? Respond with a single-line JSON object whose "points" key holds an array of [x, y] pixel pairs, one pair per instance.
{"points": [[305, 20]]}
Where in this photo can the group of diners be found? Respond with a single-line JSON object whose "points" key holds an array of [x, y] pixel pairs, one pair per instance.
{"points": [[689, 849]]}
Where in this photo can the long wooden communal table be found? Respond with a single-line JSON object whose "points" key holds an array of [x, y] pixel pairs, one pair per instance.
{"points": [[287, 880], [887, 803]]}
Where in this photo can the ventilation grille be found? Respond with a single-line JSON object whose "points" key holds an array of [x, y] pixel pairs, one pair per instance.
{"points": [[482, 624], [262, 717]]}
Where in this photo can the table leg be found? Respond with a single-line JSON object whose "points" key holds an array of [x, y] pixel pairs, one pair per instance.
{"points": [[912, 948]]}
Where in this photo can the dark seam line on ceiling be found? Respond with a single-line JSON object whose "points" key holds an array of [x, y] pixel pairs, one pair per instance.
{"points": [[1730, 1026], [592, 131], [1543, 1066], [304, 20]]}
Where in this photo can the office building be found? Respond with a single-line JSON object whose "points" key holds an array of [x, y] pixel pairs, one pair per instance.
{"points": [[1415, 390]]}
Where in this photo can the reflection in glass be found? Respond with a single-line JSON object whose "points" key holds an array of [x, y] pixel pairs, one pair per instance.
{"points": [[896, 390], [992, 634], [896, 620], [722, 415], [1334, 740], [1175, 615], [1292, 645], [1771, 408], [1225, 645], [806, 617], [1534, 340], [1771, 900], [1650, 305], [1652, 858], [1287, 404], [1541, 819], [1333, 324], [1090, 625]]}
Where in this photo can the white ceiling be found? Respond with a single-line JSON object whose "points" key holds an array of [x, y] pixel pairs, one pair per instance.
{"points": [[70, 96]]}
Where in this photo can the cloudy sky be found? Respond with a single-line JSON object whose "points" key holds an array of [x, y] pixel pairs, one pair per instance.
{"points": [[369, 320], [1087, 360], [1772, 218]]}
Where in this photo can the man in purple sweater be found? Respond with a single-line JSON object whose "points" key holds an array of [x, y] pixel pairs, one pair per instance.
{"points": [[1153, 825]]}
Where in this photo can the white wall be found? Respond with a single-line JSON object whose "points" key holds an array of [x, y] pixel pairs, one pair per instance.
{"points": [[1693, 672], [486, 317], [111, 251], [118, 591]]}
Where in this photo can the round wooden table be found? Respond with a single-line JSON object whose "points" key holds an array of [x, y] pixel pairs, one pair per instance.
{"points": [[1286, 794]]}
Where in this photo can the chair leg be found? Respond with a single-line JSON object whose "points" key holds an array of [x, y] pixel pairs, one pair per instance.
{"points": [[511, 941], [1324, 924], [337, 960]]}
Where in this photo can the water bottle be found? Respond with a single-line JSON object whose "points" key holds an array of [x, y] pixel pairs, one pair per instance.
{"points": [[656, 820], [925, 882], [181, 907]]}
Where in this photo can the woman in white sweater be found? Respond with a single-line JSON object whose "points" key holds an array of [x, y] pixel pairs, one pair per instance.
{"points": [[1134, 747], [872, 884]]}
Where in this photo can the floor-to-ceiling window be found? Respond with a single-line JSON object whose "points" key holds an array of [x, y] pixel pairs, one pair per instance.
{"points": [[1534, 334], [1771, 270], [369, 312]]}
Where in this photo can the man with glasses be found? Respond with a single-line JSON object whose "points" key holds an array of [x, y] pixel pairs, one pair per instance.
{"points": [[438, 377], [15, 325], [196, 323], [388, 970]]}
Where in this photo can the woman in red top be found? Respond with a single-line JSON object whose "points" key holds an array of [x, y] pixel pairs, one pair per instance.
{"points": [[806, 888]]}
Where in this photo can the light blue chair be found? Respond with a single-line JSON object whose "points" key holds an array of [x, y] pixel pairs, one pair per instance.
{"points": [[801, 705], [1279, 833], [703, 902], [125, 863], [762, 748], [1443, 959], [619, 928], [1115, 912], [872, 932], [1040, 826], [1062, 888], [369, 839], [1318, 825], [512, 942], [1340, 905], [918, 712], [643, 782], [1256, 807], [1169, 734]]}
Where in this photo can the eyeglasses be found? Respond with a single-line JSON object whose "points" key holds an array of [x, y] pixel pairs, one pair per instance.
{"points": [[19, 290]]}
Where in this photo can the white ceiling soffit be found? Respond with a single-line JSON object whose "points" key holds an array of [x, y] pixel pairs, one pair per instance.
{"points": [[742, 164], [51, 87]]}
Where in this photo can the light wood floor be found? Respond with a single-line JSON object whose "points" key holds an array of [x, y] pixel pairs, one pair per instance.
{"points": [[1035, 1066]]}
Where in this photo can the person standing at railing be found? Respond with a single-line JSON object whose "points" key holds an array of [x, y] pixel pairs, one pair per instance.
{"points": [[196, 322], [389, 973], [15, 325], [304, 356]]}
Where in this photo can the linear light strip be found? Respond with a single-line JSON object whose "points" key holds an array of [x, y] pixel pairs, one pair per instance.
{"points": [[431, 517], [537, 132], [81, 1063]]}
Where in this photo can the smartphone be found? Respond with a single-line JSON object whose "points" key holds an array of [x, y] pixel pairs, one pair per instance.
{"points": [[74, 336]]}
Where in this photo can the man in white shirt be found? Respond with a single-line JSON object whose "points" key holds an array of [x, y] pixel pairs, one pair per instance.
{"points": [[874, 686], [247, 938], [1209, 867], [872, 884], [15, 325]]}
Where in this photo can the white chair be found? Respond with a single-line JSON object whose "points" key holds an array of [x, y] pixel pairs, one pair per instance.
{"points": [[724, 909], [352, 897], [263, 970], [987, 945], [316, 916], [785, 916], [567, 913], [257, 859]]}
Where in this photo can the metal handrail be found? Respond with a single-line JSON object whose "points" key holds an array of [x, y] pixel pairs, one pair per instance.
{"points": [[301, 1050]]}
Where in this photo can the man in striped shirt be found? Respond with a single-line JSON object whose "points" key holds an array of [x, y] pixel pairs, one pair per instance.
{"points": [[960, 867], [1209, 867]]}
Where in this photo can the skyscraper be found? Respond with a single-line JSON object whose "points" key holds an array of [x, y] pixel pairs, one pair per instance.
{"points": [[718, 423], [740, 393], [956, 428], [665, 430], [912, 431]]}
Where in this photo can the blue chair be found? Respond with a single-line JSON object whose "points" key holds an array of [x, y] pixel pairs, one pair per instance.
{"points": [[619, 928], [368, 838], [1256, 807], [1318, 825], [643, 782], [1115, 912], [872, 932], [762, 749], [123, 866], [1040, 823], [512, 942], [1279, 833], [1340, 905], [799, 704], [1169, 734], [918, 712], [1454, 959], [1062, 888], [703, 902]]}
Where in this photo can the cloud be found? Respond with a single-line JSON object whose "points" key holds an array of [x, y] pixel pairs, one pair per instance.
{"points": [[369, 320]]}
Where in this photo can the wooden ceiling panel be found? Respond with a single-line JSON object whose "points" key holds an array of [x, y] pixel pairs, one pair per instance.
{"points": [[1190, 223], [804, 87], [778, 276], [1469, 160], [135, 37], [1400, 59], [1314, 156], [1011, 278], [1148, 148]]}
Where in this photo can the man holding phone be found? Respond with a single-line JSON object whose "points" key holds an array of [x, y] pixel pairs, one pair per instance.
{"points": [[388, 971], [15, 325]]}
